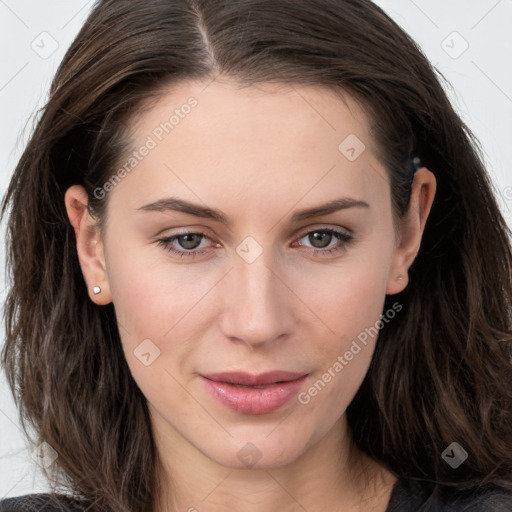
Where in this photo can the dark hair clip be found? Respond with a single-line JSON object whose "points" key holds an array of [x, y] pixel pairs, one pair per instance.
{"points": [[415, 164]]}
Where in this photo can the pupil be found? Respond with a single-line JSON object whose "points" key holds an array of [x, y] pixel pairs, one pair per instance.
{"points": [[323, 237], [187, 241]]}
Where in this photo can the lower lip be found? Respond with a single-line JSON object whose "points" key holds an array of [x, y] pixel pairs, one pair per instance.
{"points": [[247, 400]]}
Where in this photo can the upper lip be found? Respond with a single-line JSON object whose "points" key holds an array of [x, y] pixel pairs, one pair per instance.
{"points": [[247, 379]]}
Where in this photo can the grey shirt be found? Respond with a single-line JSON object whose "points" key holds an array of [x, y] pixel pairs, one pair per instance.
{"points": [[407, 496]]}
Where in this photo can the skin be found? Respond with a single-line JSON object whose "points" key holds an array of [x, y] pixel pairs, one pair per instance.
{"points": [[258, 154]]}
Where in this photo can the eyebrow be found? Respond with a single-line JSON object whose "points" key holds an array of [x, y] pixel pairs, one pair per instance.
{"points": [[180, 205]]}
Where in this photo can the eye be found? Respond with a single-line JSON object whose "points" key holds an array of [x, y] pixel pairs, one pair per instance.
{"points": [[188, 244], [189, 241], [321, 239]]}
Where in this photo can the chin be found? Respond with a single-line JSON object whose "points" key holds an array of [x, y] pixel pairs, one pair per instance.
{"points": [[258, 452]]}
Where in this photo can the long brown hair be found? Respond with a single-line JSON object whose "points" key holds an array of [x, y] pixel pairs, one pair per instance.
{"points": [[442, 372]]}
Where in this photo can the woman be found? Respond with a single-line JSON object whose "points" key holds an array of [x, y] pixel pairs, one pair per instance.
{"points": [[258, 265]]}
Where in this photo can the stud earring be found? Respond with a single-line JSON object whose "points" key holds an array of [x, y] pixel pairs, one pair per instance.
{"points": [[96, 290]]}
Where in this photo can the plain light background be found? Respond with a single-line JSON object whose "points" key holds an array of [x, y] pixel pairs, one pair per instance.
{"points": [[469, 41]]}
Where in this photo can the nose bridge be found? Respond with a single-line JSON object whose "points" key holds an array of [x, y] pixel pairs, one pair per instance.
{"points": [[256, 305]]}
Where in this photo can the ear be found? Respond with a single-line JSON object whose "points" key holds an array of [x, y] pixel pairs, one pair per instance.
{"points": [[89, 245], [411, 229]]}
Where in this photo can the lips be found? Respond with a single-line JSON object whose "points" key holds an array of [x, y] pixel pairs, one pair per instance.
{"points": [[254, 394], [247, 379]]}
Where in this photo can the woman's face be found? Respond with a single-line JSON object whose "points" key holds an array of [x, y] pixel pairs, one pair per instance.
{"points": [[264, 283]]}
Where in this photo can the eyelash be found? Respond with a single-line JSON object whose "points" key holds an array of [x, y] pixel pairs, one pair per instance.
{"points": [[343, 237]]}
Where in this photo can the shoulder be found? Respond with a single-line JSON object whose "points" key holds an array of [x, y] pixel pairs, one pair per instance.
{"points": [[42, 503], [416, 496], [485, 497]]}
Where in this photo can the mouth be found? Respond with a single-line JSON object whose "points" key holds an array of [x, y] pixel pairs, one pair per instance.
{"points": [[246, 393], [250, 380]]}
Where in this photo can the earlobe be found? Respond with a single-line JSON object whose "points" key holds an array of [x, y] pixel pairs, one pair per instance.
{"points": [[412, 227], [397, 284], [89, 245]]}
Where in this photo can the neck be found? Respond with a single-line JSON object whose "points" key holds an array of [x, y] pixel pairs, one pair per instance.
{"points": [[332, 475]]}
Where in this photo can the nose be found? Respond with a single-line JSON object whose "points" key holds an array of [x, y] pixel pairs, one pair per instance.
{"points": [[257, 305]]}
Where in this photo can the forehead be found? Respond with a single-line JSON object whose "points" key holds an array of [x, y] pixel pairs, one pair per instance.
{"points": [[208, 138], [227, 108]]}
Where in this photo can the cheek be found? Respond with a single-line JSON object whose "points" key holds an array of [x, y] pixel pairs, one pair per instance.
{"points": [[342, 361], [349, 297], [159, 309], [150, 294], [349, 307]]}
